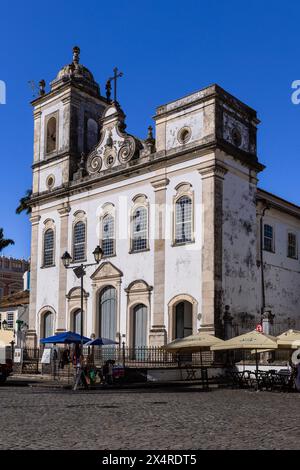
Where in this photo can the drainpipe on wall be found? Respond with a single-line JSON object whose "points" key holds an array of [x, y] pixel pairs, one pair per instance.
{"points": [[263, 294]]}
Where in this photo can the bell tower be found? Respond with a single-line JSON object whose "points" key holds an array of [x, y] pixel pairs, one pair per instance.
{"points": [[65, 124]]}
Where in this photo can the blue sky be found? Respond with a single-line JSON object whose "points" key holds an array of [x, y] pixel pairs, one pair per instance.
{"points": [[166, 49]]}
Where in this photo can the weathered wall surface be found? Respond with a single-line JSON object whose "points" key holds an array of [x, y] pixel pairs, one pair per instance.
{"points": [[282, 274], [240, 287]]}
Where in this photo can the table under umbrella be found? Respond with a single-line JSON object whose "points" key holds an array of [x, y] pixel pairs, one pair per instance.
{"points": [[253, 340]]}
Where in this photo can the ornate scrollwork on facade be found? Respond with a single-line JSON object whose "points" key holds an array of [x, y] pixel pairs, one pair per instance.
{"points": [[94, 163], [115, 147], [127, 150], [109, 156]]}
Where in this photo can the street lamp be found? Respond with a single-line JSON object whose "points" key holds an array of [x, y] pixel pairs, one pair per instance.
{"points": [[79, 271]]}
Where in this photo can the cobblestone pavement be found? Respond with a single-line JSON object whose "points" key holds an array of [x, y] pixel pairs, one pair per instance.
{"points": [[39, 418]]}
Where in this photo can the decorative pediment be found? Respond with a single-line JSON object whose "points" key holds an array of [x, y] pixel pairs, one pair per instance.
{"points": [[115, 147], [75, 293], [138, 286], [106, 271]]}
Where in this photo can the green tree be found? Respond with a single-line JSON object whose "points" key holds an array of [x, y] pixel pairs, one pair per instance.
{"points": [[3, 241], [24, 203]]}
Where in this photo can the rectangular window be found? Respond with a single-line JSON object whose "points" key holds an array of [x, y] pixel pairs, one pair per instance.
{"points": [[108, 235], [79, 242], [183, 220], [292, 245], [268, 238], [139, 230], [10, 320]]}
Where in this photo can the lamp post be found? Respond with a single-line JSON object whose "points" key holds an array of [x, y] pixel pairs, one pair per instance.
{"points": [[79, 271]]}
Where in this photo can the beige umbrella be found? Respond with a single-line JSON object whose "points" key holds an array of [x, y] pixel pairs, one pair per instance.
{"points": [[289, 340], [199, 342], [252, 340], [193, 343]]}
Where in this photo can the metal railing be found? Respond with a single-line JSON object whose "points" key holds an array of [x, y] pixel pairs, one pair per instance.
{"points": [[140, 357]]}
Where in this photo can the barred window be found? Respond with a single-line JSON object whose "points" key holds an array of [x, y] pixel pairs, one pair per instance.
{"points": [[139, 229], [79, 241], [268, 238], [292, 245], [10, 320], [108, 235], [183, 220], [48, 248]]}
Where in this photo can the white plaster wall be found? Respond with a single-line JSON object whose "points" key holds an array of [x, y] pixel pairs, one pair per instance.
{"points": [[55, 169], [134, 266], [183, 263], [47, 278], [192, 120], [240, 283], [282, 274]]}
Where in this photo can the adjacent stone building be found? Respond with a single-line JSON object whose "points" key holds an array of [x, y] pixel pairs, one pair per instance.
{"points": [[11, 275], [184, 228]]}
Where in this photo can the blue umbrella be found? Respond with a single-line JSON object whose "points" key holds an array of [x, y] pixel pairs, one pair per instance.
{"points": [[100, 342], [66, 337]]}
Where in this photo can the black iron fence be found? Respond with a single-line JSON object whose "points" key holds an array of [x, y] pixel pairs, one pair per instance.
{"points": [[148, 357], [141, 357]]}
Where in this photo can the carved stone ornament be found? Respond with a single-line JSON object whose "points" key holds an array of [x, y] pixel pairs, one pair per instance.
{"points": [[94, 163], [127, 150], [109, 157]]}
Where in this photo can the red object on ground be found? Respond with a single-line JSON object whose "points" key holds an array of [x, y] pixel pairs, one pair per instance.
{"points": [[259, 328]]}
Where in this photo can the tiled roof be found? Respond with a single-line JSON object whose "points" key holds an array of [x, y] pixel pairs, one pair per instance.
{"points": [[13, 300]]}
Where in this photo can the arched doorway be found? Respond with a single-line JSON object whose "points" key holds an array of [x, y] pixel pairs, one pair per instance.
{"points": [[76, 327], [139, 326], [183, 321], [47, 325], [108, 313]]}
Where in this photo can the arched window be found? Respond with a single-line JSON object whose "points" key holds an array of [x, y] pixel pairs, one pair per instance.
{"points": [[48, 324], [183, 220], [139, 324], [108, 313], [139, 229], [51, 135], [77, 322], [92, 134], [108, 235], [48, 248], [79, 242]]}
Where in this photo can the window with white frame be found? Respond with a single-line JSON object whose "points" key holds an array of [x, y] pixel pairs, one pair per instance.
{"points": [[48, 248], [139, 235], [108, 235], [183, 220], [79, 242], [268, 237], [292, 245], [10, 320]]}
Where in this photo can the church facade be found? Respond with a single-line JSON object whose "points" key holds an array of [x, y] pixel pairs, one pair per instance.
{"points": [[185, 231]]}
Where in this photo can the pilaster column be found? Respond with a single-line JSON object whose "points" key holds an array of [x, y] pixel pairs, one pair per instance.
{"points": [[212, 174], [158, 330], [227, 318], [62, 277], [31, 333], [267, 321]]}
